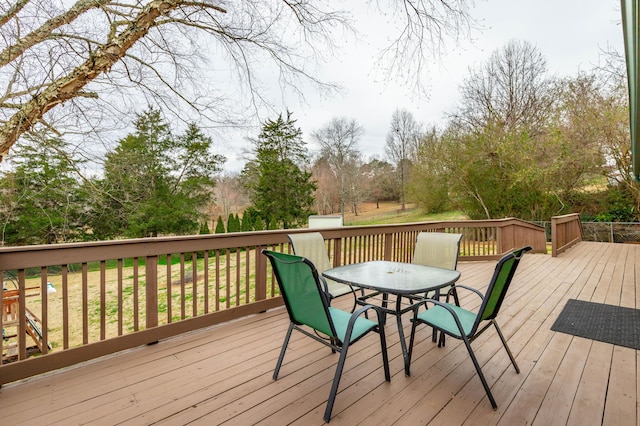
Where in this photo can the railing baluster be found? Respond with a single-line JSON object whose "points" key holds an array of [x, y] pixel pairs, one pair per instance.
{"points": [[205, 272], [237, 284], [120, 298], [217, 292], [228, 279], [85, 303], [169, 285], [22, 315], [194, 282], [183, 290], [65, 306], [103, 302], [136, 314], [247, 274], [44, 312]]}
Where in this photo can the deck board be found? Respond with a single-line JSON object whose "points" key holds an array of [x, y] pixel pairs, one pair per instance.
{"points": [[222, 375]]}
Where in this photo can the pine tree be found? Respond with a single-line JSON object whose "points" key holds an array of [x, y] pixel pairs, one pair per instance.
{"points": [[258, 224], [233, 223], [220, 226], [156, 182], [276, 179]]}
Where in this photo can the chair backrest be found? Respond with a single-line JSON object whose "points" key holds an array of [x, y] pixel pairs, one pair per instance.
{"points": [[301, 290], [439, 249], [502, 276], [311, 245]]}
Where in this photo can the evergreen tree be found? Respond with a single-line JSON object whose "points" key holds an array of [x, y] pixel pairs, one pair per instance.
{"points": [[247, 223], [204, 228], [156, 183], [233, 223], [219, 226], [41, 198], [273, 223], [279, 187], [258, 224]]}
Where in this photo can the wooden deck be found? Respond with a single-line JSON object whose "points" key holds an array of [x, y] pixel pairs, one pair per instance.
{"points": [[223, 374]]}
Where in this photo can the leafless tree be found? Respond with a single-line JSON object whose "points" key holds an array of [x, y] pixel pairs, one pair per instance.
{"points": [[510, 91], [402, 142], [81, 67], [228, 196], [338, 142], [327, 194]]}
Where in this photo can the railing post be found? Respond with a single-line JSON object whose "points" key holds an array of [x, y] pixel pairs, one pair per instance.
{"points": [[337, 251], [554, 237], [151, 291]]}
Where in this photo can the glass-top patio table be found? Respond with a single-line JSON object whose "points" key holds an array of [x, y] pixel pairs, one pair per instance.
{"points": [[401, 279]]}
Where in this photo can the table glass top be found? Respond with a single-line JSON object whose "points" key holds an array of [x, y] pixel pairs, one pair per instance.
{"points": [[393, 277]]}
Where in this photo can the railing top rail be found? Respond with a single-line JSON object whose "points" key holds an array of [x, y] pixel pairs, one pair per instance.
{"points": [[566, 218]]}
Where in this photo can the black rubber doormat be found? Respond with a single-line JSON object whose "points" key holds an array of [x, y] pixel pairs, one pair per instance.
{"points": [[597, 321]]}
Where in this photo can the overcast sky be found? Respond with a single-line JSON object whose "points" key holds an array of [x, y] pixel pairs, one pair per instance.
{"points": [[569, 33]]}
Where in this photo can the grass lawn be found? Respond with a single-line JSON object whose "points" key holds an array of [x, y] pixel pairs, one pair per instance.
{"points": [[385, 213]]}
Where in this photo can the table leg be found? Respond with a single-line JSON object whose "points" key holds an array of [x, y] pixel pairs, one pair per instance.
{"points": [[403, 343], [385, 303]]}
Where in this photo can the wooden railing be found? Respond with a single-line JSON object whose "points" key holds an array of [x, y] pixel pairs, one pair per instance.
{"points": [[565, 231], [114, 295]]}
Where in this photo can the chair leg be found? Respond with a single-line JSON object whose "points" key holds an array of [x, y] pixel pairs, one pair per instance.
{"points": [[504, 343], [336, 382], [479, 371], [282, 351], [412, 338]]}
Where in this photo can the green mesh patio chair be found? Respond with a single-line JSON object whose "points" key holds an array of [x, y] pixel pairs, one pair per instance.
{"points": [[310, 314], [312, 246], [441, 250], [466, 325]]}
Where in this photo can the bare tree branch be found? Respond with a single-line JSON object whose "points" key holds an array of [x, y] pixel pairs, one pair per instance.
{"points": [[13, 10], [12, 52], [69, 86]]}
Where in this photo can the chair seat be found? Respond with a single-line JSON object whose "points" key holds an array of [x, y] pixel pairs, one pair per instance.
{"points": [[341, 320], [441, 318]]}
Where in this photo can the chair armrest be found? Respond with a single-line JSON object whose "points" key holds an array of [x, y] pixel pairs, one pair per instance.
{"points": [[476, 291], [363, 309]]}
